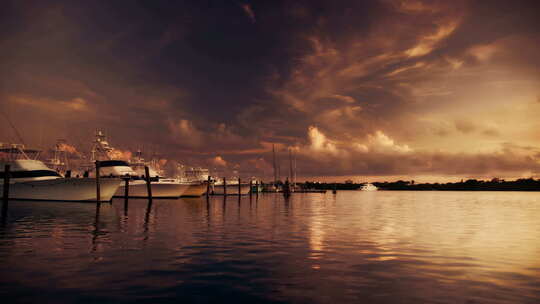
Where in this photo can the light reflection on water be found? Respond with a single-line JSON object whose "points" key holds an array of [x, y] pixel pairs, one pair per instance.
{"points": [[372, 247]]}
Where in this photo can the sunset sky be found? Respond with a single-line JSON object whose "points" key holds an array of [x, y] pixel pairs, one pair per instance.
{"points": [[368, 90]]}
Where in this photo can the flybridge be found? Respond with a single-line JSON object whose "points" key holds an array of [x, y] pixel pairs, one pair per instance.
{"points": [[11, 152], [101, 147]]}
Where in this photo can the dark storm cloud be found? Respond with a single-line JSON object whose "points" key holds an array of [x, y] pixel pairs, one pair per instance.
{"points": [[200, 79]]}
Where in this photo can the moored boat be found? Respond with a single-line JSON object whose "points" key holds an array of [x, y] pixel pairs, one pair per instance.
{"points": [[161, 188], [256, 186], [31, 179], [368, 187], [230, 188], [196, 178], [195, 189]]}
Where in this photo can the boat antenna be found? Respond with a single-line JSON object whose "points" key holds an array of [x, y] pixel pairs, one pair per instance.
{"points": [[19, 137]]}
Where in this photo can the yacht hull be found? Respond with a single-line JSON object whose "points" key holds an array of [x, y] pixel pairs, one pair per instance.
{"points": [[195, 190], [368, 187], [138, 189], [63, 189], [231, 189]]}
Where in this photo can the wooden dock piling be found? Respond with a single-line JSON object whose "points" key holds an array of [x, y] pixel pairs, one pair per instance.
{"points": [[239, 187], [126, 194], [5, 195], [98, 190], [257, 188], [148, 184], [286, 189], [225, 186], [250, 189], [208, 187], [126, 187]]}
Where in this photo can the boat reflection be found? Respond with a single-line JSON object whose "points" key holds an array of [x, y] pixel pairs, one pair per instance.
{"points": [[374, 247]]}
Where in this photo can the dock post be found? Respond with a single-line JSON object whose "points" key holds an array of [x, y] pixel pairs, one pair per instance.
{"points": [[208, 187], [98, 190], [239, 187], [126, 194], [5, 196], [224, 186], [148, 184], [257, 188], [68, 174], [250, 189], [286, 189]]}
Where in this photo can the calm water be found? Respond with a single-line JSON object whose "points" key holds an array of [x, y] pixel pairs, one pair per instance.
{"points": [[361, 247]]}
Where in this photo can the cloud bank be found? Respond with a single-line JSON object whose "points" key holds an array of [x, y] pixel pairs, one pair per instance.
{"points": [[379, 88]]}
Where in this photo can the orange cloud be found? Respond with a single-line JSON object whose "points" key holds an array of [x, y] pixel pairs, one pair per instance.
{"points": [[218, 161], [68, 148], [77, 104], [428, 43], [119, 154]]}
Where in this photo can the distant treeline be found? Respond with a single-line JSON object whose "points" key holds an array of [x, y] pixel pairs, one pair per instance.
{"points": [[330, 186], [523, 184]]}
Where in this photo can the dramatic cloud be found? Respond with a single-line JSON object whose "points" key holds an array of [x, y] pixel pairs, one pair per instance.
{"points": [[387, 88], [119, 154], [68, 148]]}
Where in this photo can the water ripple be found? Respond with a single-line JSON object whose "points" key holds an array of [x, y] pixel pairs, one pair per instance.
{"points": [[383, 247]]}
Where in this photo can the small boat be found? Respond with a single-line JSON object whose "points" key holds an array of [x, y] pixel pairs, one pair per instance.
{"points": [[196, 178], [230, 188], [368, 187], [31, 179], [162, 188], [256, 186]]}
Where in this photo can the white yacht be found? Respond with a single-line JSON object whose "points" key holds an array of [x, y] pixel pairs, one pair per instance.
{"points": [[368, 187], [59, 161], [31, 179], [116, 168], [196, 178], [230, 186], [195, 189], [161, 187]]}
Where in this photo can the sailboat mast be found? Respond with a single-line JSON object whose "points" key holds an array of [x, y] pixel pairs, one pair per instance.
{"points": [[274, 162], [290, 167], [294, 172]]}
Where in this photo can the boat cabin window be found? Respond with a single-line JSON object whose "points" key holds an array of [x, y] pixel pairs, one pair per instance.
{"points": [[113, 163], [33, 173]]}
